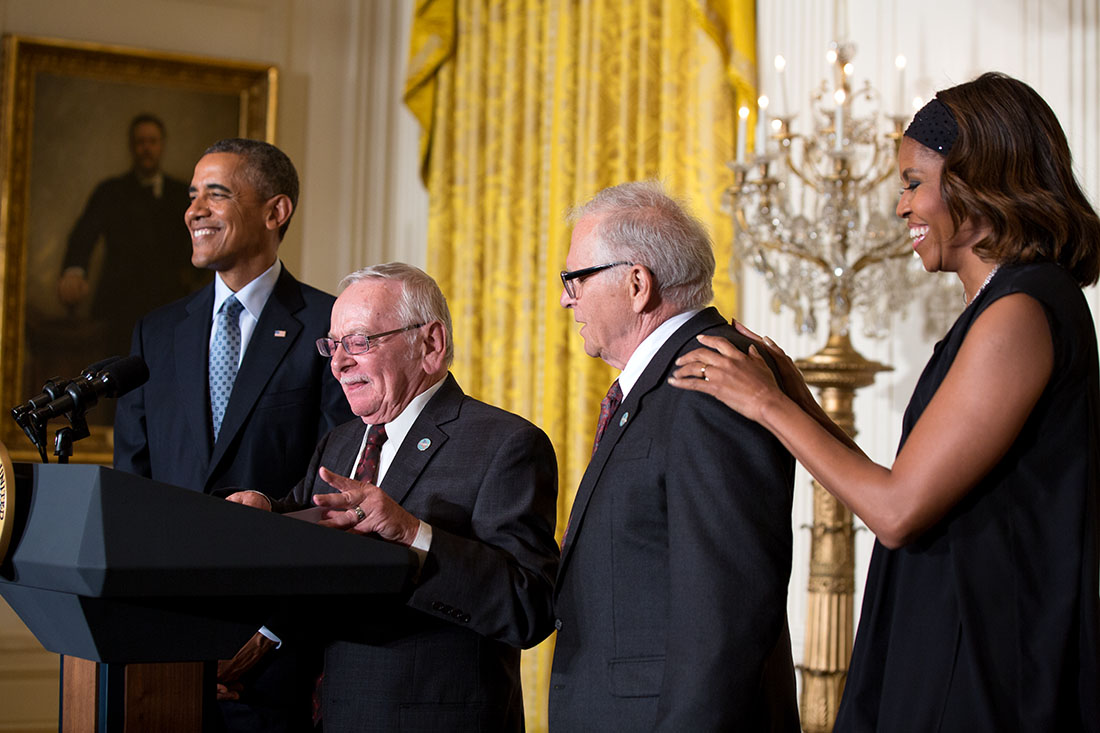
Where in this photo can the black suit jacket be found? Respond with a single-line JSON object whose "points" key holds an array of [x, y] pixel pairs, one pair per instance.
{"points": [[284, 398], [447, 657], [146, 251], [671, 594]]}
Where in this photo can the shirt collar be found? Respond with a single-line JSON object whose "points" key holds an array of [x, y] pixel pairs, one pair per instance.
{"points": [[399, 427], [252, 296], [155, 182], [652, 343]]}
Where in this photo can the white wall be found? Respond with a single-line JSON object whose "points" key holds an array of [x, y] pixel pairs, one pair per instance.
{"points": [[1051, 44]]}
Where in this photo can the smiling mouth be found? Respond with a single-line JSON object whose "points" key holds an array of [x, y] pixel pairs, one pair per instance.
{"points": [[917, 235], [203, 232]]}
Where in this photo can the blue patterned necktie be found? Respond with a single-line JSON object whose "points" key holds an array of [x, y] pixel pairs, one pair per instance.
{"points": [[225, 353]]}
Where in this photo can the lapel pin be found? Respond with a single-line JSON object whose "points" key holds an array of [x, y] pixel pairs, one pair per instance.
{"points": [[280, 334], [624, 418], [424, 444]]}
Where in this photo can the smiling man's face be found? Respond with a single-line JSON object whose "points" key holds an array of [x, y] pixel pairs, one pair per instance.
{"points": [[228, 219]]}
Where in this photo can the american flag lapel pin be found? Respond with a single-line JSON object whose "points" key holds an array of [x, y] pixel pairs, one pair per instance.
{"points": [[280, 334]]}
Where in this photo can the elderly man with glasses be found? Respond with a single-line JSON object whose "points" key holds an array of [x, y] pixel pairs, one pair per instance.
{"points": [[671, 594], [470, 487]]}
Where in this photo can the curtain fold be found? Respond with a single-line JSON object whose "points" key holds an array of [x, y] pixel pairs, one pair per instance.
{"points": [[528, 107]]}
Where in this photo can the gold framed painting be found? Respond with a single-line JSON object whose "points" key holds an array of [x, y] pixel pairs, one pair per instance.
{"points": [[98, 144]]}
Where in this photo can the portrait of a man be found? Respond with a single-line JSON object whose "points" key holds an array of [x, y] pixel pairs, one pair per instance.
{"points": [[106, 240], [137, 219]]}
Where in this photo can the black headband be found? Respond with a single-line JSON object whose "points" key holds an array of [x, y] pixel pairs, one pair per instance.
{"points": [[934, 127]]}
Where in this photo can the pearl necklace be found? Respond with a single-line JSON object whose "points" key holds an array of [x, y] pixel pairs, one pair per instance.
{"points": [[986, 282]]}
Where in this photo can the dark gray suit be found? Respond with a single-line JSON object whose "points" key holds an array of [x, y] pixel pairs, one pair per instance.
{"points": [[284, 399], [672, 590], [446, 658]]}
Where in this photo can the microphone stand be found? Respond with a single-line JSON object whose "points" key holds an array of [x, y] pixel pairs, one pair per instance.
{"points": [[72, 399], [65, 436]]}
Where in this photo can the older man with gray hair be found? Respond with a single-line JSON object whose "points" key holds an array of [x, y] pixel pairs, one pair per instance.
{"points": [[672, 588], [470, 487]]}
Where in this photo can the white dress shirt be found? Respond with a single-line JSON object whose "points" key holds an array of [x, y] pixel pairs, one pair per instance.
{"points": [[652, 343], [396, 431], [252, 296]]}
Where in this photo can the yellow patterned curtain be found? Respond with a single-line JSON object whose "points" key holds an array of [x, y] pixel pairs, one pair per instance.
{"points": [[528, 107]]}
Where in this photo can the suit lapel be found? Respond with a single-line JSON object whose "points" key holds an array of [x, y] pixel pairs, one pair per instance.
{"points": [[191, 348], [343, 448], [652, 377], [275, 334], [424, 439]]}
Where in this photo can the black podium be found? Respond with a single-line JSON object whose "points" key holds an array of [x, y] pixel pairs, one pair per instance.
{"points": [[126, 572]]}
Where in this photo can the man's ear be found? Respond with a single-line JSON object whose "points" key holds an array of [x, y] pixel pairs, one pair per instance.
{"points": [[642, 289], [435, 347], [279, 210]]}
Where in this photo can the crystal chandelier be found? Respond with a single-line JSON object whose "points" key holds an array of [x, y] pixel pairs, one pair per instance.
{"points": [[811, 211], [814, 215]]}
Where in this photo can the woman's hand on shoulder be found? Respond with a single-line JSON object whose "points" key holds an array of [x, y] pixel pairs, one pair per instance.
{"points": [[742, 381], [791, 380]]}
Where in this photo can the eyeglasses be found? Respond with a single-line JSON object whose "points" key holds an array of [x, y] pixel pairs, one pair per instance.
{"points": [[568, 276], [356, 343]]}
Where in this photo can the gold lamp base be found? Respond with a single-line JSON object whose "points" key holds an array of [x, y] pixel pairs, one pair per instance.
{"points": [[838, 370]]}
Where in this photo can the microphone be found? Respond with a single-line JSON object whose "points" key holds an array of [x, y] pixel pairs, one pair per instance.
{"points": [[55, 388], [93, 369], [120, 376]]}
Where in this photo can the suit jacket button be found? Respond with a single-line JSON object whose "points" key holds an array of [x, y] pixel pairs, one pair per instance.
{"points": [[465, 618], [437, 606]]}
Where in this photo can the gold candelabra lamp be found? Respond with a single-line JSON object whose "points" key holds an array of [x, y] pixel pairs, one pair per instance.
{"points": [[812, 215]]}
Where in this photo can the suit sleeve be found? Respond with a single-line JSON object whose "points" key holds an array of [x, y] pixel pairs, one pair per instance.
{"points": [[87, 229], [131, 436], [335, 452], [729, 489], [499, 583], [301, 496]]}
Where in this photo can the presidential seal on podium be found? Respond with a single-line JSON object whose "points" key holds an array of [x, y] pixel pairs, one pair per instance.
{"points": [[7, 501]]}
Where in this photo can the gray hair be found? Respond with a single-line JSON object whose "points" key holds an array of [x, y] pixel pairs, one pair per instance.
{"points": [[639, 222], [421, 299]]}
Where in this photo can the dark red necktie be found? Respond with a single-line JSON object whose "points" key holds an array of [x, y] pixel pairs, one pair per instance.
{"points": [[607, 409], [367, 470]]}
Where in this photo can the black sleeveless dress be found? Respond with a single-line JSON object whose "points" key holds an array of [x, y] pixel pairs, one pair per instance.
{"points": [[990, 621]]}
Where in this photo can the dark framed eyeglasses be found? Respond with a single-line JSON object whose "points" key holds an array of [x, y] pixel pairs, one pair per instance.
{"points": [[568, 277], [356, 343]]}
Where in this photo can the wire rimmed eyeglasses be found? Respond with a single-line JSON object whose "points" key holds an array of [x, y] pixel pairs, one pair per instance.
{"points": [[568, 277], [356, 343]]}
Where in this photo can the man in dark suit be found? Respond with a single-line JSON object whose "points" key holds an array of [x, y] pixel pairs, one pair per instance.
{"points": [[146, 248], [471, 488], [269, 416], [672, 588]]}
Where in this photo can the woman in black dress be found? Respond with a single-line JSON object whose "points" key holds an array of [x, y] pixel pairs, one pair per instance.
{"points": [[982, 604]]}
